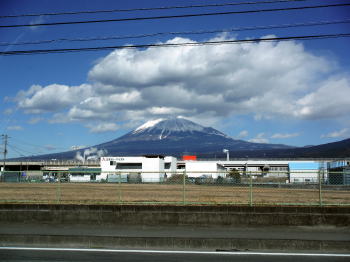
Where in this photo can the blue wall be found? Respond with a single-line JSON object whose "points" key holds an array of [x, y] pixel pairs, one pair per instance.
{"points": [[303, 166]]}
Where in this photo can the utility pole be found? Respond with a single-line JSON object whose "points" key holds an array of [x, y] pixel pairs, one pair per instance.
{"points": [[5, 138]]}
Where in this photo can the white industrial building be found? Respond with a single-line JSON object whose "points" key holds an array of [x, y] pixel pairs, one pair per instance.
{"points": [[205, 169], [150, 168], [79, 178], [170, 165], [267, 168], [156, 168], [304, 172], [294, 171], [84, 174]]}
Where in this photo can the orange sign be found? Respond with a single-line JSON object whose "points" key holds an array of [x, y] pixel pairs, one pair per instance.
{"points": [[189, 157]]}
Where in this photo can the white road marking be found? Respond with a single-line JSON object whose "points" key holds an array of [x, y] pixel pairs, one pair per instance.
{"points": [[175, 251]]}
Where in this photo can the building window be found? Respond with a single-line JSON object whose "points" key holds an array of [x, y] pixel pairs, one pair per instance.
{"points": [[167, 165], [181, 167], [129, 166], [78, 174]]}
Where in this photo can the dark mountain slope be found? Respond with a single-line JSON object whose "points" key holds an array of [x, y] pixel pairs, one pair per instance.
{"points": [[178, 136]]}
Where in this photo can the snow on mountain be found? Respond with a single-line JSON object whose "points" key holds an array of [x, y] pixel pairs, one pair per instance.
{"points": [[177, 135], [173, 124], [147, 125], [162, 128]]}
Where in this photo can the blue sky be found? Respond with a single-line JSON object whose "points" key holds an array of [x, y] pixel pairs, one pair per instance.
{"points": [[294, 92]]}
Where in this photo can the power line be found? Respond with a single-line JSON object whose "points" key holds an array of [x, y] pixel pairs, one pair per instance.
{"points": [[35, 146], [175, 16], [7, 120], [27, 151], [269, 39], [22, 151], [235, 29], [29, 144], [17, 151], [152, 8]]}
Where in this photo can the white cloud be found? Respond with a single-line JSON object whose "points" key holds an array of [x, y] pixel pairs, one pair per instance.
{"points": [[103, 127], [50, 147], [287, 135], [345, 132], [77, 147], [76, 113], [260, 138], [222, 79], [201, 83], [16, 128], [163, 110], [331, 100], [8, 111], [35, 120], [242, 134], [51, 98]]}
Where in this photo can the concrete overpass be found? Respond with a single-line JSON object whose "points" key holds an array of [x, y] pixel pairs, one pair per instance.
{"points": [[46, 165]]}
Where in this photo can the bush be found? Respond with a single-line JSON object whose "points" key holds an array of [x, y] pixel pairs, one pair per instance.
{"points": [[219, 180], [235, 176], [177, 179]]}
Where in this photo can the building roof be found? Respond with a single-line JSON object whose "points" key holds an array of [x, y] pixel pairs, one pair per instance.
{"points": [[84, 169], [154, 156]]}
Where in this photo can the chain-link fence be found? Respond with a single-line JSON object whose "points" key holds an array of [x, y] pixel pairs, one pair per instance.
{"points": [[224, 187]]}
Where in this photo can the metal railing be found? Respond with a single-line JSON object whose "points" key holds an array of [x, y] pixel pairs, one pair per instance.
{"points": [[183, 187]]}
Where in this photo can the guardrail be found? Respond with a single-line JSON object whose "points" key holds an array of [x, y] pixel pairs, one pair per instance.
{"points": [[319, 188]]}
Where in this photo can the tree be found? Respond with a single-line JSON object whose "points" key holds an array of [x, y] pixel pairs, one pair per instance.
{"points": [[219, 180], [235, 175]]}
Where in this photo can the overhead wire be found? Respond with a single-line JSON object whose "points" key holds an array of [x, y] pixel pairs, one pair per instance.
{"points": [[152, 8], [307, 37], [22, 150], [175, 16], [27, 150], [6, 121], [254, 40], [34, 145], [235, 29], [17, 151]]}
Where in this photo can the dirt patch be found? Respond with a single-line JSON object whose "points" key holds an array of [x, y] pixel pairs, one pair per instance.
{"points": [[164, 193]]}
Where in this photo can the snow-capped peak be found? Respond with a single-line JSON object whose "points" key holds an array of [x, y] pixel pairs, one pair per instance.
{"points": [[148, 124], [164, 127]]}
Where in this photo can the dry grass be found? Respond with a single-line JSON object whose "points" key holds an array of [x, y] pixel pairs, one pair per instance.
{"points": [[142, 193]]}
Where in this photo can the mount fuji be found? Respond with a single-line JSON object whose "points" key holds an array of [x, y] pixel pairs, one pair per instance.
{"points": [[177, 136]]}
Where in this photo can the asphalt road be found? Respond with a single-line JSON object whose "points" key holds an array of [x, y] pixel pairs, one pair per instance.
{"points": [[262, 232], [65, 255]]}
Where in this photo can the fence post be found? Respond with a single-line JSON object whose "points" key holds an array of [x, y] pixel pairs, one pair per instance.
{"points": [[120, 188], [319, 188], [183, 188], [250, 189], [58, 191]]}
